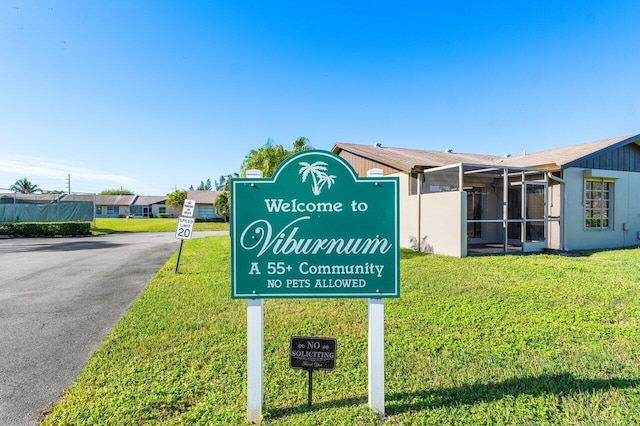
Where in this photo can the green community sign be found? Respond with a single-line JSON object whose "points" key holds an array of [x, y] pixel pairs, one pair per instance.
{"points": [[315, 229]]}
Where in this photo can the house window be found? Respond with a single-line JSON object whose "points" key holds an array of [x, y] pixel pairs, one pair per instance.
{"points": [[113, 210], [99, 210], [162, 209], [206, 212], [598, 204]]}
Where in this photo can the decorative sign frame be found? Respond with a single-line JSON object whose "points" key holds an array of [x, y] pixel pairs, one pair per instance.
{"points": [[315, 230]]}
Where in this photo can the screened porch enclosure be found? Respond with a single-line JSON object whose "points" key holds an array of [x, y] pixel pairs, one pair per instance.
{"points": [[505, 209]]}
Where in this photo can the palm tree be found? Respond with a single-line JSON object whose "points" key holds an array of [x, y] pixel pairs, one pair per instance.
{"points": [[301, 144], [24, 186], [269, 156], [223, 205], [176, 198], [266, 159]]}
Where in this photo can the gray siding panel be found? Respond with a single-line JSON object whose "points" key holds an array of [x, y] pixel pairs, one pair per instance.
{"points": [[625, 158]]}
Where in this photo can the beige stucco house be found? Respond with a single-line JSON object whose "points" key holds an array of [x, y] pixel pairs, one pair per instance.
{"points": [[205, 203], [576, 197]]}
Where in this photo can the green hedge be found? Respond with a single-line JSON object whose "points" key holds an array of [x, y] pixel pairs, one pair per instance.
{"points": [[45, 229], [210, 219]]}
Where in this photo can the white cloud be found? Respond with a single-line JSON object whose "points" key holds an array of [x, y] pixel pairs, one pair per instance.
{"points": [[14, 166]]}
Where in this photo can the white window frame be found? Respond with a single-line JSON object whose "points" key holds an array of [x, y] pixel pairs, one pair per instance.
{"points": [[599, 201]]}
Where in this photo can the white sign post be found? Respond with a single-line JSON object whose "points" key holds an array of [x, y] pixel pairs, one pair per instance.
{"points": [[376, 344], [255, 359], [255, 349]]}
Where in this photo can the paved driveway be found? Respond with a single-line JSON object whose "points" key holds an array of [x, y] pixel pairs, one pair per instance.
{"points": [[59, 297]]}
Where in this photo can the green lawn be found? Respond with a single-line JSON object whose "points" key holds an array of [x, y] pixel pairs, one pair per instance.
{"points": [[110, 226], [516, 340]]}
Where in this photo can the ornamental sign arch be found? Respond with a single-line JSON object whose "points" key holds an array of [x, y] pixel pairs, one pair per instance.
{"points": [[315, 230]]}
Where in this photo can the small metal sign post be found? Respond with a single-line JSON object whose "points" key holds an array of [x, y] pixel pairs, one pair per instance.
{"points": [[183, 232], [314, 230], [312, 353]]}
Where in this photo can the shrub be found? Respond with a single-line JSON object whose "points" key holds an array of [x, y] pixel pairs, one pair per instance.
{"points": [[46, 229], [209, 219], [163, 215]]}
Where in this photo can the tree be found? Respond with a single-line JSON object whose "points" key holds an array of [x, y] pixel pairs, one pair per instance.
{"points": [[121, 191], [224, 183], [24, 186], [221, 183], [301, 144], [223, 205], [205, 186], [269, 156], [266, 158], [176, 198]]}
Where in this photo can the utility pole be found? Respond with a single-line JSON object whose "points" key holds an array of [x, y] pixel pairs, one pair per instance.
{"points": [[69, 183]]}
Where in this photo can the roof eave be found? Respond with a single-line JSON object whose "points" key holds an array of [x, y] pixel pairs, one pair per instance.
{"points": [[380, 159], [624, 142]]}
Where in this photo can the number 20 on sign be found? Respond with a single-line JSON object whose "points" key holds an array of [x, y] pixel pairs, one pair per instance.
{"points": [[185, 228]]}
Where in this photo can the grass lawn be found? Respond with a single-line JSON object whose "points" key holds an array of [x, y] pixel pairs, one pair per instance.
{"points": [[110, 226], [518, 340]]}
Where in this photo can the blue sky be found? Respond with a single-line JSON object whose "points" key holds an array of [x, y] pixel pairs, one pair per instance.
{"points": [[158, 95]]}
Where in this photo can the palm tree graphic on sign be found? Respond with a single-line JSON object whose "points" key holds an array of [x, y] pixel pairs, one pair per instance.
{"points": [[319, 176]]}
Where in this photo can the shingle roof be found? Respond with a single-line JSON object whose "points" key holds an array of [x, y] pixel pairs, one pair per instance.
{"points": [[145, 200], [114, 200], [203, 197], [409, 159], [553, 159]]}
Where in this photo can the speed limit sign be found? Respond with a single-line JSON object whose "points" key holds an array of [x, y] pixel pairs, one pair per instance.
{"points": [[185, 228]]}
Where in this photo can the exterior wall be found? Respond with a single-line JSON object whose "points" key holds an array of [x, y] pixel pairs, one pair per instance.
{"points": [[626, 211], [433, 223], [409, 213], [625, 158], [443, 224], [155, 210], [123, 211]]}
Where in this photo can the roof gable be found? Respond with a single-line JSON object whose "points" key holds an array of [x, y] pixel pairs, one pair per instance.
{"points": [[611, 153], [145, 200]]}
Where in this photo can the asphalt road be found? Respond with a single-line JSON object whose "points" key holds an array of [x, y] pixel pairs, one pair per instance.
{"points": [[59, 297]]}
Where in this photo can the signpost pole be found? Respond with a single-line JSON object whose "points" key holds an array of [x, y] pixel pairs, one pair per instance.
{"points": [[255, 348], [255, 355], [310, 370], [376, 344], [179, 253], [376, 356]]}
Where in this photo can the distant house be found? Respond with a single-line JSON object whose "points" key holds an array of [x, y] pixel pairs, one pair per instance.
{"points": [[205, 202], [575, 197], [152, 206], [147, 206], [114, 205]]}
